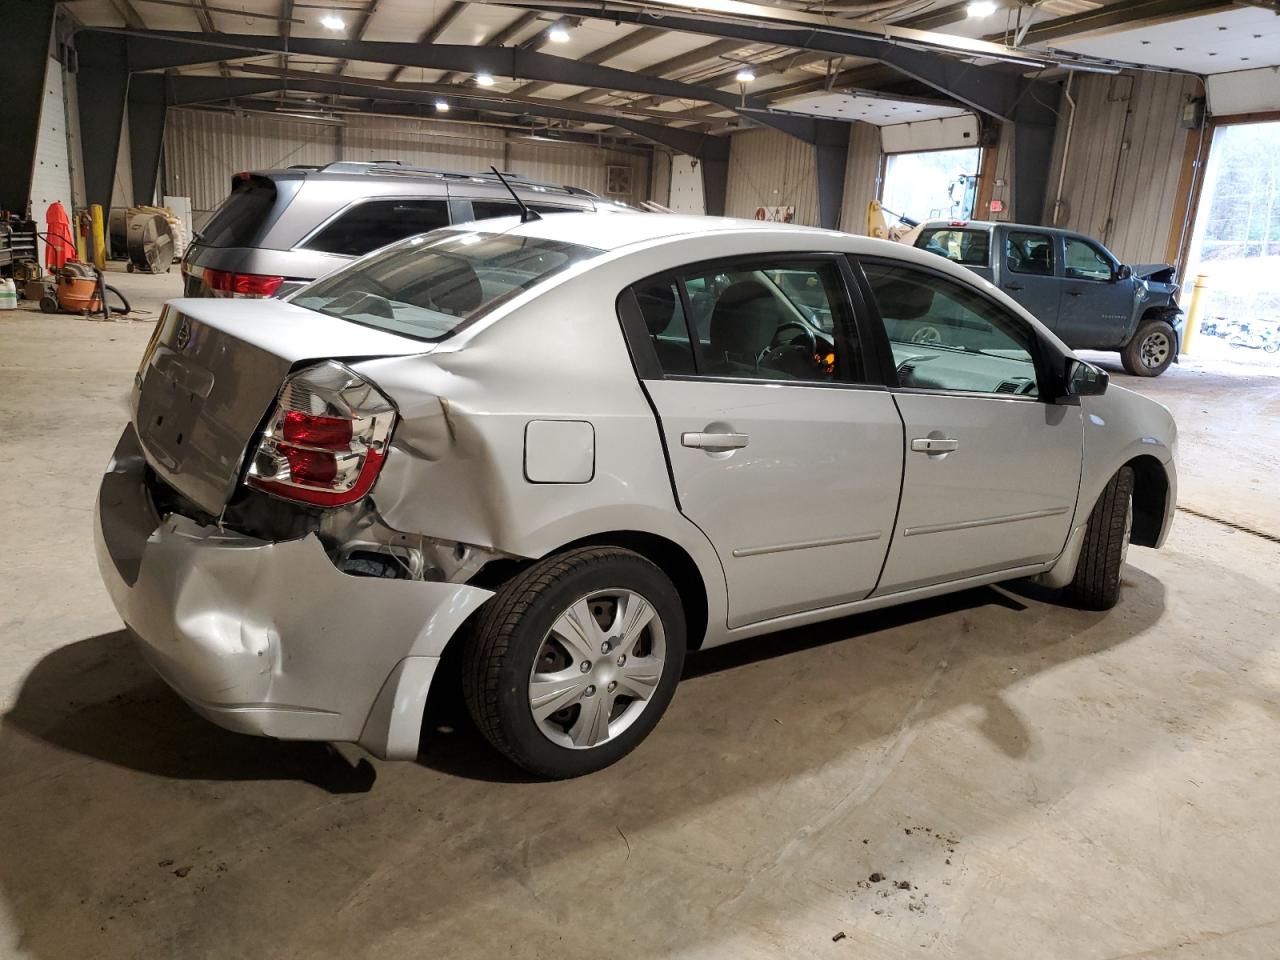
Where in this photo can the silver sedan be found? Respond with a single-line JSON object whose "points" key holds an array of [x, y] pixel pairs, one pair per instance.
{"points": [[572, 450]]}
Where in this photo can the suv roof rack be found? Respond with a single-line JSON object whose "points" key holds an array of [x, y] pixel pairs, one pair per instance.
{"points": [[396, 168]]}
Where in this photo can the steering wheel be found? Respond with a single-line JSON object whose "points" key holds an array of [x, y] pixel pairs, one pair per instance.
{"points": [[780, 343]]}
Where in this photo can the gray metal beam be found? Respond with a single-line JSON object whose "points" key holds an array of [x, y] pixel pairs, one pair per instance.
{"points": [[831, 160], [28, 28], [102, 82], [152, 50], [1032, 154], [191, 90], [147, 111], [1121, 16], [715, 182], [1002, 94]]}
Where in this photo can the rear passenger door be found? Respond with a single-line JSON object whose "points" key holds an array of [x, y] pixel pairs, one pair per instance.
{"points": [[782, 449], [992, 467], [1029, 272]]}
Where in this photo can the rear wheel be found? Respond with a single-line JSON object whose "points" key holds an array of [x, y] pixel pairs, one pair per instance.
{"points": [[1096, 584], [575, 659], [1151, 350]]}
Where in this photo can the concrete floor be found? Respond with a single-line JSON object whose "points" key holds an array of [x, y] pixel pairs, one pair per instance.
{"points": [[1032, 781]]}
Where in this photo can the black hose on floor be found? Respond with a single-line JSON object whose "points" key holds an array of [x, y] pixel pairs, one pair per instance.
{"points": [[108, 289]]}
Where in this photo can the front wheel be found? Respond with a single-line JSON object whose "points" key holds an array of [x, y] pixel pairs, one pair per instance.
{"points": [[574, 661], [1096, 584], [1151, 350]]}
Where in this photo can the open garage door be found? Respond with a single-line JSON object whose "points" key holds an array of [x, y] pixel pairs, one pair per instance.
{"points": [[1236, 245], [931, 167]]}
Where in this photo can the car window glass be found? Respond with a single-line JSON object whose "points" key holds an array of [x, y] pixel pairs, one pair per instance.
{"points": [[376, 223], [970, 247], [430, 287], [487, 209], [239, 222], [773, 321], [663, 313], [1086, 262], [1029, 253], [945, 336]]}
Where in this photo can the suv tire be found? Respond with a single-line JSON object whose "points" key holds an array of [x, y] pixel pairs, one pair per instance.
{"points": [[531, 629], [1096, 584], [1151, 350]]}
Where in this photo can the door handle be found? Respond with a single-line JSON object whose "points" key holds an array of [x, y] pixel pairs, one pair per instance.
{"points": [[714, 441], [930, 445], [1013, 286], [1073, 293]]}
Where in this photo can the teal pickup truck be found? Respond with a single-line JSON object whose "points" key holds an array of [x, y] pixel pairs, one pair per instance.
{"points": [[1072, 284]]}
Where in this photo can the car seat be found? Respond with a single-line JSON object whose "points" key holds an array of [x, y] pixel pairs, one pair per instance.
{"points": [[743, 324], [658, 306]]}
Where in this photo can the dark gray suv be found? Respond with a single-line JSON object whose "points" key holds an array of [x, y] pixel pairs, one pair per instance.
{"points": [[281, 228]]}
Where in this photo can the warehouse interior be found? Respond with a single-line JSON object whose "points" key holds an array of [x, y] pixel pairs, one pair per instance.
{"points": [[986, 774]]}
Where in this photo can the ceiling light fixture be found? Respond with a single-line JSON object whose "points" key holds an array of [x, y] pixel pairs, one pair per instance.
{"points": [[558, 34], [484, 79], [442, 106], [331, 22], [980, 8], [745, 76]]}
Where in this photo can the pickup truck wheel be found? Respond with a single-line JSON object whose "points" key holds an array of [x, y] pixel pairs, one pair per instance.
{"points": [[1096, 584], [573, 662], [1151, 350]]}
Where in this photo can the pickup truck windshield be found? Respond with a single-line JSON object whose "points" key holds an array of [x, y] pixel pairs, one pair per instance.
{"points": [[430, 286], [969, 247]]}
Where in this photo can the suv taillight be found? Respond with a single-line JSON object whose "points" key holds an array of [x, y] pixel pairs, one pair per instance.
{"points": [[241, 284], [326, 438]]}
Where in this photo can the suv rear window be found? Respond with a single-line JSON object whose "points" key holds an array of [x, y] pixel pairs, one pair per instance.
{"points": [[375, 223], [429, 287], [969, 247], [243, 215]]}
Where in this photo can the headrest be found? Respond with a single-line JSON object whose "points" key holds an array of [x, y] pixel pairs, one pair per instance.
{"points": [[744, 320], [456, 289], [657, 306], [903, 298]]}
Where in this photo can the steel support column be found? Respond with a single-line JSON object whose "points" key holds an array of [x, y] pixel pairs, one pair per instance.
{"points": [[832, 149], [28, 27], [715, 178], [102, 83], [146, 133], [1032, 155]]}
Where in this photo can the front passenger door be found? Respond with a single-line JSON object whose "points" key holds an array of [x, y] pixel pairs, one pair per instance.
{"points": [[992, 469]]}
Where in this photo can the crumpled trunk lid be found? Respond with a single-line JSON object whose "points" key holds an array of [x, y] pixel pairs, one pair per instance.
{"points": [[213, 369]]}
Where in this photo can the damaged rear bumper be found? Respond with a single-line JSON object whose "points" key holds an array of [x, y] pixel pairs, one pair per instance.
{"points": [[271, 638]]}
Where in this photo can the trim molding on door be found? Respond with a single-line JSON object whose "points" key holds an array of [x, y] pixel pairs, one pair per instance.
{"points": [[806, 544], [985, 522]]}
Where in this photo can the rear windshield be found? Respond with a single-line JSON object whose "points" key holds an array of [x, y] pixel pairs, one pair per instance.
{"points": [[970, 247], [431, 286], [240, 219]]}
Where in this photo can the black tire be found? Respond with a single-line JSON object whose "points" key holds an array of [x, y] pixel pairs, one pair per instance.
{"points": [[499, 655], [1151, 350], [49, 303], [1096, 584]]}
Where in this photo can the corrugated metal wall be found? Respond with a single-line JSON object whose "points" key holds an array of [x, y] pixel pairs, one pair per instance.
{"points": [[203, 149], [861, 177], [1125, 157], [768, 168]]}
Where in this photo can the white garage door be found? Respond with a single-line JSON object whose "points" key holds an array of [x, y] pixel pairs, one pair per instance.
{"points": [[52, 175]]}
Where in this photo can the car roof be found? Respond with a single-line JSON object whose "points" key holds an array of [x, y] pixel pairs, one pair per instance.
{"points": [[618, 231]]}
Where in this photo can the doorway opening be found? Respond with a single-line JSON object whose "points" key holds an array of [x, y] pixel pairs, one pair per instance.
{"points": [[1235, 244], [932, 185]]}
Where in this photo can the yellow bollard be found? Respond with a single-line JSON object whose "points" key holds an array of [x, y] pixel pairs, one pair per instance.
{"points": [[98, 237], [1193, 311]]}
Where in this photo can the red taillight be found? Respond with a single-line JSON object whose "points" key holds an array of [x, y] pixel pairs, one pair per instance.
{"points": [[325, 440], [241, 284], [329, 432]]}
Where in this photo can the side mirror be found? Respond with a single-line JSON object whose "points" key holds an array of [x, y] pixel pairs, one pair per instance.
{"points": [[1124, 272], [1085, 380]]}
